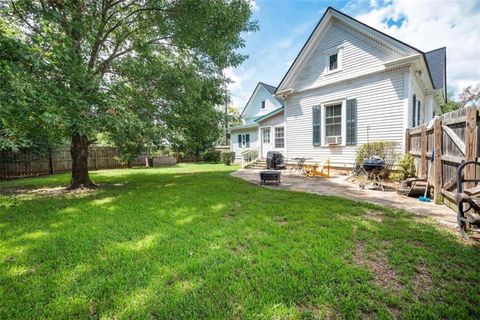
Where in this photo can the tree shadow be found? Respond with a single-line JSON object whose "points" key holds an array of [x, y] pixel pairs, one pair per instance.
{"points": [[207, 245]]}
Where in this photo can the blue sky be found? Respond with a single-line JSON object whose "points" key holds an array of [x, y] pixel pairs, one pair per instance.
{"points": [[286, 25]]}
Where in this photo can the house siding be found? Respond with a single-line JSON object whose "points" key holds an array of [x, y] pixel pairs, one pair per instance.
{"points": [[254, 108], [355, 48], [380, 106], [253, 141]]}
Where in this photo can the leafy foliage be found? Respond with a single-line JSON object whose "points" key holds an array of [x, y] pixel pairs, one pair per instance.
{"points": [[74, 69], [228, 157], [406, 168], [385, 150], [211, 156]]}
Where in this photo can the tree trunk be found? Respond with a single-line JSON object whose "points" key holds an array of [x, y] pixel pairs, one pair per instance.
{"points": [[79, 153]]}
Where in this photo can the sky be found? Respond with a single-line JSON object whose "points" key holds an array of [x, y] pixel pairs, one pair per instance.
{"points": [[286, 25]]}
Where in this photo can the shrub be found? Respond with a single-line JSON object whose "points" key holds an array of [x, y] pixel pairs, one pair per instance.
{"points": [[227, 157], [211, 156], [385, 150], [406, 168]]}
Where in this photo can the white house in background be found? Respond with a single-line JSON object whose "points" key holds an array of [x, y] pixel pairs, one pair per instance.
{"points": [[263, 126], [350, 82]]}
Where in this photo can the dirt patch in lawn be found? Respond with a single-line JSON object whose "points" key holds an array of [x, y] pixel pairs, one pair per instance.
{"points": [[281, 220], [374, 215], [422, 281], [383, 274], [47, 192]]}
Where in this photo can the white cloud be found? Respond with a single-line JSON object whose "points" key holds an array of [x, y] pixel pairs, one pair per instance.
{"points": [[430, 25], [254, 5], [238, 77]]}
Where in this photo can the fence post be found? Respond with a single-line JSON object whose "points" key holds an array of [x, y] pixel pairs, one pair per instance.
{"points": [[437, 161], [470, 143], [423, 152], [407, 141]]}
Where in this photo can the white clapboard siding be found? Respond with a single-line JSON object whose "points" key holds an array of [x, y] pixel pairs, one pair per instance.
{"points": [[253, 140], [273, 121], [254, 109], [359, 56], [379, 106]]}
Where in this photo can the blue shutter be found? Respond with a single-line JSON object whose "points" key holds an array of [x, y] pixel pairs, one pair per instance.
{"points": [[418, 113], [351, 122], [247, 137], [316, 125], [239, 140], [414, 107]]}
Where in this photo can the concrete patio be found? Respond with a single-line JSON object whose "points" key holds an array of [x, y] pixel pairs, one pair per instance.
{"points": [[338, 186]]}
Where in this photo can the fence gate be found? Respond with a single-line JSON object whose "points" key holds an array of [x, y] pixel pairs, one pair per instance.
{"points": [[450, 139]]}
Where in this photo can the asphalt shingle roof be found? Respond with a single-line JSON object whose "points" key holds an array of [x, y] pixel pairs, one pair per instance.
{"points": [[436, 63], [271, 90]]}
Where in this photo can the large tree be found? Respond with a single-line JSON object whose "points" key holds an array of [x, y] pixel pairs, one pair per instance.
{"points": [[112, 64]]}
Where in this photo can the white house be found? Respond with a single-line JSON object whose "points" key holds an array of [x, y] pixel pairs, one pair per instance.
{"points": [[350, 82], [263, 125]]}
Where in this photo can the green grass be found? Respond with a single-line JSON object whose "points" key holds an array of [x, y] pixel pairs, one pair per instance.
{"points": [[191, 241]]}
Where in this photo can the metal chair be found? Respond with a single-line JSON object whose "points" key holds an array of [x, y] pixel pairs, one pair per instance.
{"points": [[467, 199]]}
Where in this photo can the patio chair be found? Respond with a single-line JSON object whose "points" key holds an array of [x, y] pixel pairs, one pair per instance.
{"points": [[316, 169], [299, 167], [468, 201]]}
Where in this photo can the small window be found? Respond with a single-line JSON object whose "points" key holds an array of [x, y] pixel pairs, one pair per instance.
{"points": [[333, 62], [244, 140], [263, 104], [266, 135], [333, 120], [279, 137]]}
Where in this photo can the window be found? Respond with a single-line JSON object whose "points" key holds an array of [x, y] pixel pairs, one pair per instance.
{"points": [[418, 112], [263, 104], [244, 140], [333, 120], [279, 137], [266, 135], [333, 62]]}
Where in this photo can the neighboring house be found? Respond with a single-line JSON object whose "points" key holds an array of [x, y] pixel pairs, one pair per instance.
{"points": [[263, 126], [351, 84]]}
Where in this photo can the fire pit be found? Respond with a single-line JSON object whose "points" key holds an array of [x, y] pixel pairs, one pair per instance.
{"points": [[270, 175]]}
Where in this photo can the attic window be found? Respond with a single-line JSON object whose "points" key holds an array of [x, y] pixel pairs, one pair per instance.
{"points": [[333, 62], [263, 104]]}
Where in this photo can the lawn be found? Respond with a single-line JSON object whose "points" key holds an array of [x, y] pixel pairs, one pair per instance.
{"points": [[193, 242]]}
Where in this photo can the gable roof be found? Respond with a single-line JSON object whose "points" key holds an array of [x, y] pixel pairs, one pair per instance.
{"points": [[331, 12], [436, 61], [269, 88]]}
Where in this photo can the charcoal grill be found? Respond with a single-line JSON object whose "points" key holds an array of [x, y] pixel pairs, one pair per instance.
{"points": [[275, 160], [372, 167]]}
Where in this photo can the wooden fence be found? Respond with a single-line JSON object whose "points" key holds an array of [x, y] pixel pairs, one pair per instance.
{"points": [[451, 139], [28, 164]]}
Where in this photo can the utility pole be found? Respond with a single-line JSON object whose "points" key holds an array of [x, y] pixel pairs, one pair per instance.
{"points": [[227, 100]]}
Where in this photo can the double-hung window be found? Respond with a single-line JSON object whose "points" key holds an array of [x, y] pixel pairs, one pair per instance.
{"points": [[333, 120], [333, 62], [279, 137], [244, 140]]}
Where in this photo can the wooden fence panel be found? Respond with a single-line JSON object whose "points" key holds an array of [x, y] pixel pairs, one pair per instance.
{"points": [[454, 137], [27, 164]]}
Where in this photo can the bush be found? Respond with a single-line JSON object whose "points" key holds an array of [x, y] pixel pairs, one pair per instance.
{"points": [[385, 150], [211, 156], [227, 157], [406, 168]]}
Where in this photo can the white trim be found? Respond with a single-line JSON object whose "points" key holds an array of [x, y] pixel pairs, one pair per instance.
{"points": [[338, 50], [284, 136], [406, 99], [374, 35]]}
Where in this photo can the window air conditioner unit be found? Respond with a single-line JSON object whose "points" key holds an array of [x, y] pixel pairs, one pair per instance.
{"points": [[334, 140]]}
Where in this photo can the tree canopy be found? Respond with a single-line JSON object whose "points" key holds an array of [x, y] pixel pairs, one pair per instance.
{"points": [[132, 69]]}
